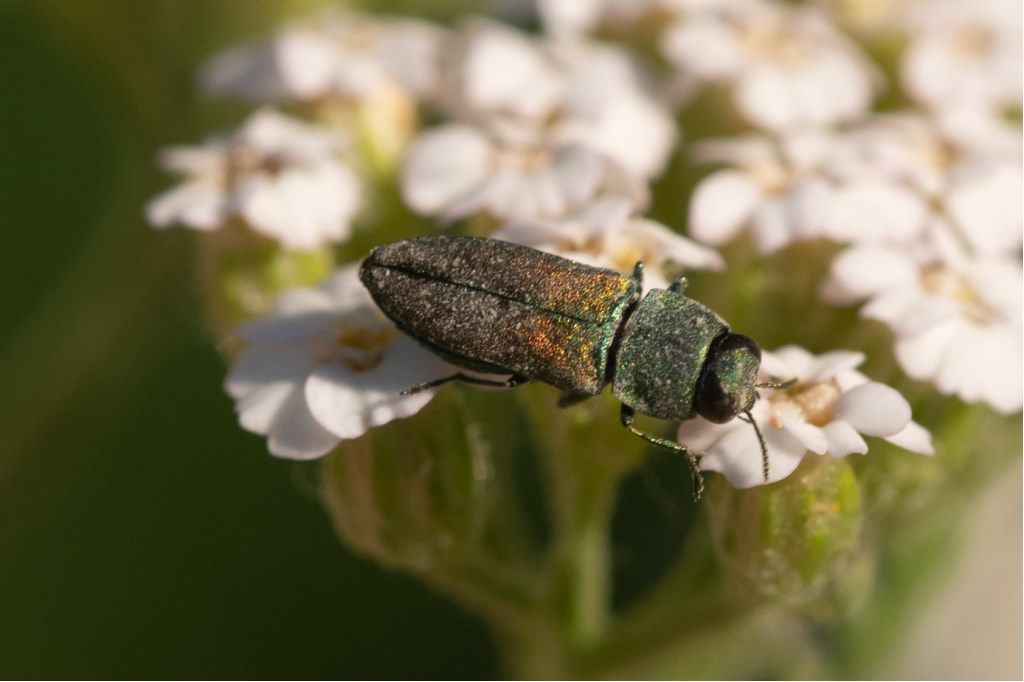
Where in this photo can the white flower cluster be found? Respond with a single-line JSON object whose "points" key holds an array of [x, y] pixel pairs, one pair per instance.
{"points": [[324, 366], [928, 198], [552, 140], [280, 176]]}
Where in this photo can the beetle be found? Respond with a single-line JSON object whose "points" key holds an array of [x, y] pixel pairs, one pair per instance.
{"points": [[496, 307]]}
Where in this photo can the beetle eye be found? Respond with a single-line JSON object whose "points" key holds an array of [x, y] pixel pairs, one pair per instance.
{"points": [[726, 385]]}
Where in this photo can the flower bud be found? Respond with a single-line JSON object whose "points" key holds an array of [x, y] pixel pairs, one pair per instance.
{"points": [[434, 497], [796, 540]]}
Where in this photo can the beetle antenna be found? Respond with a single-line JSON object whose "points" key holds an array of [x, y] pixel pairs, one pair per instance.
{"points": [[760, 439], [777, 383]]}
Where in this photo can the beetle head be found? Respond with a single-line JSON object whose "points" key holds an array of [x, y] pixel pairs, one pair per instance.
{"points": [[727, 381]]}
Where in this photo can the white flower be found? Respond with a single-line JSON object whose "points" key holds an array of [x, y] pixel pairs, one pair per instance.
{"points": [[325, 366], [775, 188], [786, 191], [965, 52], [969, 175], [456, 170], [608, 235], [825, 412], [984, 202], [571, 93], [493, 71], [337, 54], [957, 319], [280, 176], [885, 180], [787, 66], [605, 106]]}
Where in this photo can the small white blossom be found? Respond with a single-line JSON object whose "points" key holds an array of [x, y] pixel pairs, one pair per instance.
{"points": [[786, 191], [495, 73], [335, 55], [278, 175], [608, 235], [605, 106], [787, 66], [957, 318], [826, 412], [885, 180], [774, 187], [456, 170], [969, 176], [965, 52], [570, 93], [325, 366]]}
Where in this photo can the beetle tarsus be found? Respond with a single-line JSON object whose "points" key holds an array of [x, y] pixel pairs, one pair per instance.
{"points": [[626, 417], [511, 382], [679, 286]]}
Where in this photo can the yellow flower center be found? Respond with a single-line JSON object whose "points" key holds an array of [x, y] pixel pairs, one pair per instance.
{"points": [[940, 280], [522, 158], [813, 403], [937, 153], [973, 41], [774, 178], [243, 159], [774, 39], [626, 258], [362, 340]]}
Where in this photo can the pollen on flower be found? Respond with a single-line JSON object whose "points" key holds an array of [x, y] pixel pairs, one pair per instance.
{"points": [[362, 347], [943, 281], [813, 403], [522, 158], [773, 177], [627, 256], [771, 41]]}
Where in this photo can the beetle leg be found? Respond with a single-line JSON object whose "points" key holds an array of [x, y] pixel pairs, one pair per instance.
{"points": [[638, 275], [511, 382], [679, 286], [626, 417]]}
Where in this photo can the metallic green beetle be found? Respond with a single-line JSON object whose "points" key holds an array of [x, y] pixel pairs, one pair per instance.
{"points": [[495, 307]]}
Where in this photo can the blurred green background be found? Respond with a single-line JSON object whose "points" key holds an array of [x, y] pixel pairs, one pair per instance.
{"points": [[142, 533]]}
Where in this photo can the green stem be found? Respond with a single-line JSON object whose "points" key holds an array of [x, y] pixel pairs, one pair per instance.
{"points": [[535, 652], [584, 564]]}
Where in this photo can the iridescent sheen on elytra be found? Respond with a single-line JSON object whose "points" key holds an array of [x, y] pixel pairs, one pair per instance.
{"points": [[493, 306]]}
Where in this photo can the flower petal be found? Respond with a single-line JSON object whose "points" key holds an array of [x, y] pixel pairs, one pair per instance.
{"points": [[443, 165], [874, 409], [812, 437], [196, 204], [915, 438], [721, 204], [863, 271], [737, 455], [843, 439], [349, 402], [295, 434], [876, 211]]}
